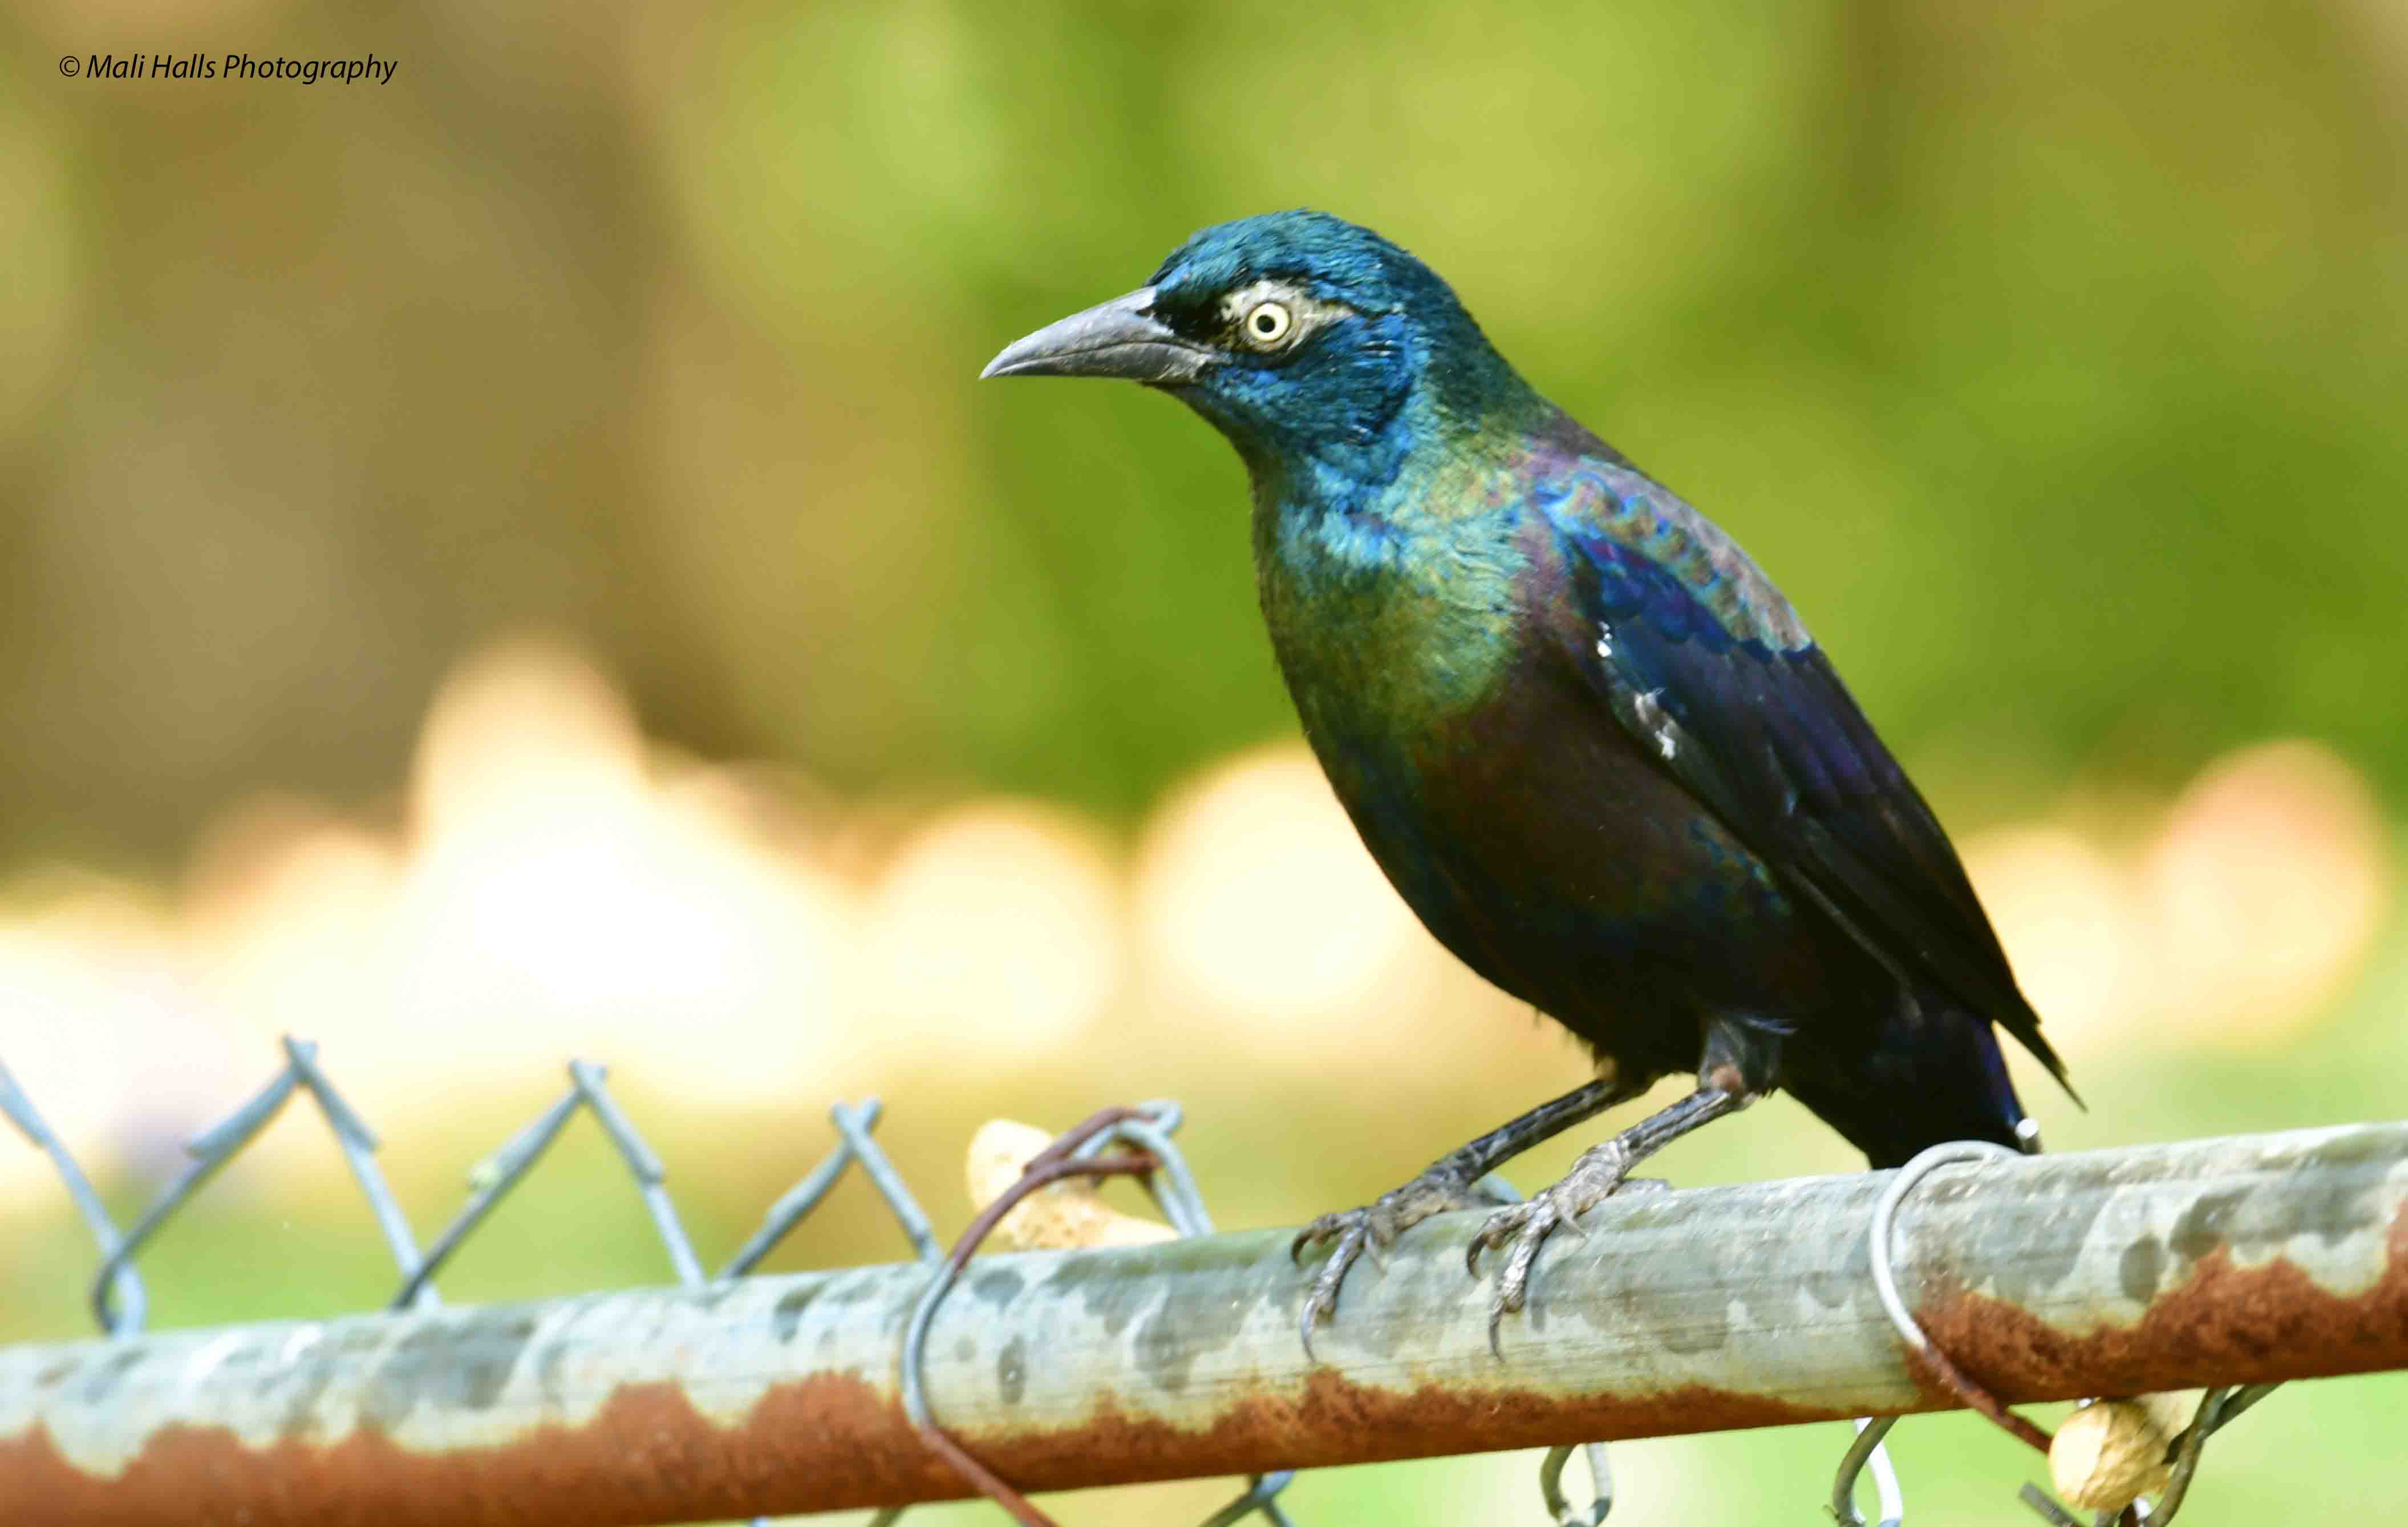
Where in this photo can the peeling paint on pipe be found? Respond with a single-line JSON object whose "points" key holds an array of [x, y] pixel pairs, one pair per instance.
{"points": [[2161, 1267]]}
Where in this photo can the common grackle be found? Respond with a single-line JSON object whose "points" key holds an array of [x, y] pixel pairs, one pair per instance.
{"points": [[1586, 737]]}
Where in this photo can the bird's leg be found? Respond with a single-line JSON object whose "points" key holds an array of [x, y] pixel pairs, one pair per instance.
{"points": [[1738, 1065], [1446, 1184]]}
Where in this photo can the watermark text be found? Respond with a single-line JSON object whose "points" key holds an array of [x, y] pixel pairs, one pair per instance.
{"points": [[232, 67]]}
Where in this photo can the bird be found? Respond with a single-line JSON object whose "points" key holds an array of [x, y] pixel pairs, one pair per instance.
{"points": [[1581, 732]]}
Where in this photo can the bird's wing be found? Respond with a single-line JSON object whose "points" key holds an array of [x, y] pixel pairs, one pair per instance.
{"points": [[1703, 661]]}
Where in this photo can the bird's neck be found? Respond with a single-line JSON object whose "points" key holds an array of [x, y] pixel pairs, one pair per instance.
{"points": [[1427, 478], [1392, 605]]}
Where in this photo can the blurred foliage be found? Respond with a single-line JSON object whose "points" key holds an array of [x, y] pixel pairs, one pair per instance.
{"points": [[2049, 356]]}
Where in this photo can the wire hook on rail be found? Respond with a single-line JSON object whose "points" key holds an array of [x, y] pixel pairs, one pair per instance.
{"points": [[1078, 1153], [1969, 1394], [2215, 1407], [1867, 1450], [1560, 1509]]}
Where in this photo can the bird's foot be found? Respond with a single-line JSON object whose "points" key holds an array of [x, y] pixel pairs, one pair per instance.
{"points": [[1601, 1171], [1373, 1228]]}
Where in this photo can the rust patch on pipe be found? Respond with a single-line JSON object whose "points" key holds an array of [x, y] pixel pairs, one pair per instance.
{"points": [[646, 1456], [1329, 1420], [2222, 1324], [819, 1444]]}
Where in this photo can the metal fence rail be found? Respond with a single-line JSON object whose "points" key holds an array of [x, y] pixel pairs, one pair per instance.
{"points": [[2218, 1261]]}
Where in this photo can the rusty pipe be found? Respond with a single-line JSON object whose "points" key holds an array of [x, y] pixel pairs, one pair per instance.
{"points": [[2157, 1267]]}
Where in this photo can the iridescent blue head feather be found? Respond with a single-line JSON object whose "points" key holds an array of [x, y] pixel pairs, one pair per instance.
{"points": [[1320, 348]]}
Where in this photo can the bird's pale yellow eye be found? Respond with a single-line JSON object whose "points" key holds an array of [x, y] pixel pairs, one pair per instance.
{"points": [[1267, 324]]}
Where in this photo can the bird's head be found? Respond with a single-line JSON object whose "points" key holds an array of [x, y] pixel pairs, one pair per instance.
{"points": [[1304, 339]]}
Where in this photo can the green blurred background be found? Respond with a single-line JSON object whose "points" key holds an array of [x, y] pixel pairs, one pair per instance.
{"points": [[514, 562]]}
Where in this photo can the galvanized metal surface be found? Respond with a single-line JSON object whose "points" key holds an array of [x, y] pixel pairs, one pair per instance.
{"points": [[2229, 1260]]}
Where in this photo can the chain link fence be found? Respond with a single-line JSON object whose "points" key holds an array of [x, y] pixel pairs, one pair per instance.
{"points": [[2362, 1176], [119, 1303]]}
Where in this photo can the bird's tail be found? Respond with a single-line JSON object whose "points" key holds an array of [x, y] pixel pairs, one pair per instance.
{"points": [[1932, 1074]]}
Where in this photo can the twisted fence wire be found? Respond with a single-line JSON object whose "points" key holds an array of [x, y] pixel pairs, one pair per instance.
{"points": [[125, 1283]]}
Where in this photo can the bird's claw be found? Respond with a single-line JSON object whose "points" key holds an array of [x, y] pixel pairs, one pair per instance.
{"points": [[1331, 1228], [1350, 1233], [1524, 1228]]}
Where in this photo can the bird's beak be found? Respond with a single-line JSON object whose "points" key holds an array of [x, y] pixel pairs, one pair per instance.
{"points": [[1118, 338]]}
